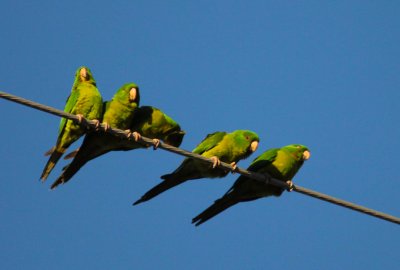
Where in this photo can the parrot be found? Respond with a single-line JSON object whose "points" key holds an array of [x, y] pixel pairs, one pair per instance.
{"points": [[218, 146], [148, 121], [118, 113], [151, 122], [85, 101], [279, 163]]}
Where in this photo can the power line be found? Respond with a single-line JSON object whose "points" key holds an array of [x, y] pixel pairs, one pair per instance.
{"points": [[256, 176]]}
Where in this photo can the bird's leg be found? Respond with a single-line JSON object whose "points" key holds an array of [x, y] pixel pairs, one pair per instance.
{"points": [[128, 134], [106, 126], [234, 167], [156, 143], [216, 161], [80, 118], [97, 124], [135, 135], [291, 186]]}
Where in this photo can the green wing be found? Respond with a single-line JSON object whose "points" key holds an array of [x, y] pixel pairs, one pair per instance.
{"points": [[263, 160], [69, 105], [209, 142]]}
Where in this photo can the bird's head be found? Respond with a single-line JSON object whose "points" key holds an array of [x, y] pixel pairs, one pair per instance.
{"points": [[83, 74], [128, 94], [298, 151], [175, 138]]}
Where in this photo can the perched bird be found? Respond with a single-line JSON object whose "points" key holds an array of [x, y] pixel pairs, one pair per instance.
{"points": [[119, 113], [147, 121], [279, 163], [84, 101], [155, 124], [218, 146]]}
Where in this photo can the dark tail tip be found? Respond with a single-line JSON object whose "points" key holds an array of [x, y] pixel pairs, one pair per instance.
{"points": [[197, 220], [138, 201], [59, 181]]}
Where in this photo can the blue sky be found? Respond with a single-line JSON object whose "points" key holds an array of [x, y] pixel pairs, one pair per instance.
{"points": [[320, 73]]}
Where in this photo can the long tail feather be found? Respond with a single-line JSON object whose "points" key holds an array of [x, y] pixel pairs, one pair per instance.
{"points": [[68, 172], [55, 156], [81, 158], [71, 155], [170, 181], [50, 151], [219, 206]]}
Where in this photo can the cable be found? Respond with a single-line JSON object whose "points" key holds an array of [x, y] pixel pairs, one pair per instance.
{"points": [[253, 175]]}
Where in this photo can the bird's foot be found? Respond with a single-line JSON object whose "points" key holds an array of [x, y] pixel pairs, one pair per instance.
{"points": [[80, 118], [136, 136], [291, 185], [106, 126], [128, 134], [132, 135], [216, 161], [156, 143], [97, 124], [234, 167]]}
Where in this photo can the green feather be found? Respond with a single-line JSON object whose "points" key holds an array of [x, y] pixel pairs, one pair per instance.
{"points": [[119, 114], [209, 142], [228, 147], [85, 99], [280, 163], [153, 123]]}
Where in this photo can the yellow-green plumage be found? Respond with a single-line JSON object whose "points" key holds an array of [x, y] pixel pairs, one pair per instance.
{"points": [[227, 147], [280, 163], [85, 100], [119, 113], [153, 123]]}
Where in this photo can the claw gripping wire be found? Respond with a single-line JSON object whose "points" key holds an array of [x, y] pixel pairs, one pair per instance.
{"points": [[253, 175]]}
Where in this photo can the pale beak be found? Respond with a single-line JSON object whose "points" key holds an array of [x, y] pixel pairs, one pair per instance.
{"points": [[253, 146], [306, 155], [83, 73], [132, 94]]}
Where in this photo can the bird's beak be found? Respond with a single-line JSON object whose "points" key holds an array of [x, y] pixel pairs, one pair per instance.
{"points": [[253, 146], [306, 155], [132, 94], [83, 73]]}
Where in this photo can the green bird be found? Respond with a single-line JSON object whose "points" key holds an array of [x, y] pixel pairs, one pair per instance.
{"points": [[84, 101], [155, 124], [148, 121], [219, 146], [119, 113], [279, 163]]}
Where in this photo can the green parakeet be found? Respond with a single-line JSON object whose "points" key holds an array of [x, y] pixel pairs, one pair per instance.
{"points": [[280, 163], [119, 113], [84, 101], [219, 146], [155, 124]]}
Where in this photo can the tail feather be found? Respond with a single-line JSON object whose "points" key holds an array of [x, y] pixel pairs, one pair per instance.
{"points": [[219, 206], [50, 151], [60, 180], [55, 156], [71, 155], [170, 181], [93, 146], [81, 158]]}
